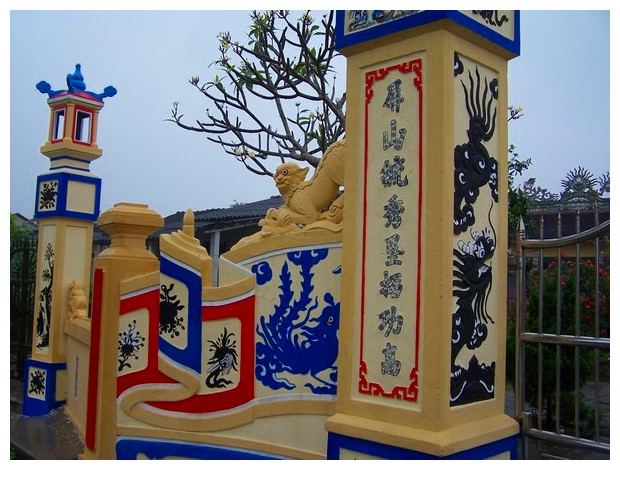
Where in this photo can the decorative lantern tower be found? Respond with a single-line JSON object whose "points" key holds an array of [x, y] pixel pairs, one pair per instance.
{"points": [[67, 204]]}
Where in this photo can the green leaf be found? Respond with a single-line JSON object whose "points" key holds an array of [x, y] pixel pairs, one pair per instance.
{"points": [[300, 69]]}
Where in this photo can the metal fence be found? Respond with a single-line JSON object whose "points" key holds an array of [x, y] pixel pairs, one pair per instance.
{"points": [[23, 269], [562, 343]]}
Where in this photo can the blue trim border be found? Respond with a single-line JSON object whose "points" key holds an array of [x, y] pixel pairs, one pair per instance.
{"points": [[190, 356], [423, 18], [34, 407], [335, 442], [128, 448], [63, 179]]}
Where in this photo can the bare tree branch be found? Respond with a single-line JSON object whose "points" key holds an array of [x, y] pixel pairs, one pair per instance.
{"points": [[286, 67]]}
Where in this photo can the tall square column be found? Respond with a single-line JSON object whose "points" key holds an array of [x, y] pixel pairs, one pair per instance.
{"points": [[423, 317], [66, 206]]}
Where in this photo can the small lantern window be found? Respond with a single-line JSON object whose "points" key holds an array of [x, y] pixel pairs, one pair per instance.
{"points": [[58, 127], [82, 126]]}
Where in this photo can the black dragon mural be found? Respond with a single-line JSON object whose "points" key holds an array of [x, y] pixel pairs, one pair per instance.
{"points": [[474, 169], [491, 17], [472, 283]]}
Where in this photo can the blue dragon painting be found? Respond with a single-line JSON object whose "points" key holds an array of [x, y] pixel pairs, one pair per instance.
{"points": [[298, 338]]}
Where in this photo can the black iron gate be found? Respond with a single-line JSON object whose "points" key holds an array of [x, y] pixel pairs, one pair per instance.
{"points": [[23, 269], [562, 348]]}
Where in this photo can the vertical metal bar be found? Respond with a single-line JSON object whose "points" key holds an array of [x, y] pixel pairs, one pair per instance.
{"points": [[577, 319], [558, 330], [26, 289], [22, 291], [520, 321], [597, 329], [527, 422], [540, 323], [215, 255]]}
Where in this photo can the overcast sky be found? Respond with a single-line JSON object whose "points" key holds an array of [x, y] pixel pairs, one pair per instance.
{"points": [[562, 79]]}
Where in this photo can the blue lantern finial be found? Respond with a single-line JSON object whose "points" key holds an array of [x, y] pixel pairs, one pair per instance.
{"points": [[75, 83]]}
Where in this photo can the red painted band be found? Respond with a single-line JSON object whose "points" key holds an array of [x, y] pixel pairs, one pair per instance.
{"points": [[93, 365]]}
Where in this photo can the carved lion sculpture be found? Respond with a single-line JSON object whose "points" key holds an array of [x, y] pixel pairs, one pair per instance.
{"points": [[78, 305], [306, 202], [313, 204]]}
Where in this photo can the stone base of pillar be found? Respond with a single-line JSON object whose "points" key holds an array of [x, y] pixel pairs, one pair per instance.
{"points": [[44, 387]]}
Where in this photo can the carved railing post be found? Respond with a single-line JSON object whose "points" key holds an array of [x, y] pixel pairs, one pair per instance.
{"points": [[128, 225]]}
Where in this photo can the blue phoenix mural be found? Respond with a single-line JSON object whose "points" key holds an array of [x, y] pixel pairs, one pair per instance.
{"points": [[300, 337]]}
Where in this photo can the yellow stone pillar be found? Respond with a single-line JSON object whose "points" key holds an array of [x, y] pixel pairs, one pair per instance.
{"points": [[128, 225], [67, 204], [423, 317]]}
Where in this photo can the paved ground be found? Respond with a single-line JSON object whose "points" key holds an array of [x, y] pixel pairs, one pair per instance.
{"points": [[49, 437]]}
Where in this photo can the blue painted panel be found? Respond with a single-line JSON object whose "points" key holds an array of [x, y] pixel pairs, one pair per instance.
{"points": [[300, 336], [63, 179], [191, 355], [34, 407], [335, 442], [422, 18], [128, 448]]}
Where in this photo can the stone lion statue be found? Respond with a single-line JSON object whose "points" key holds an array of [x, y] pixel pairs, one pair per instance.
{"points": [[78, 304], [308, 204]]}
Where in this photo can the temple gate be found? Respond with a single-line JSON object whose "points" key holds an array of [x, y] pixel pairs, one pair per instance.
{"points": [[295, 347]]}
